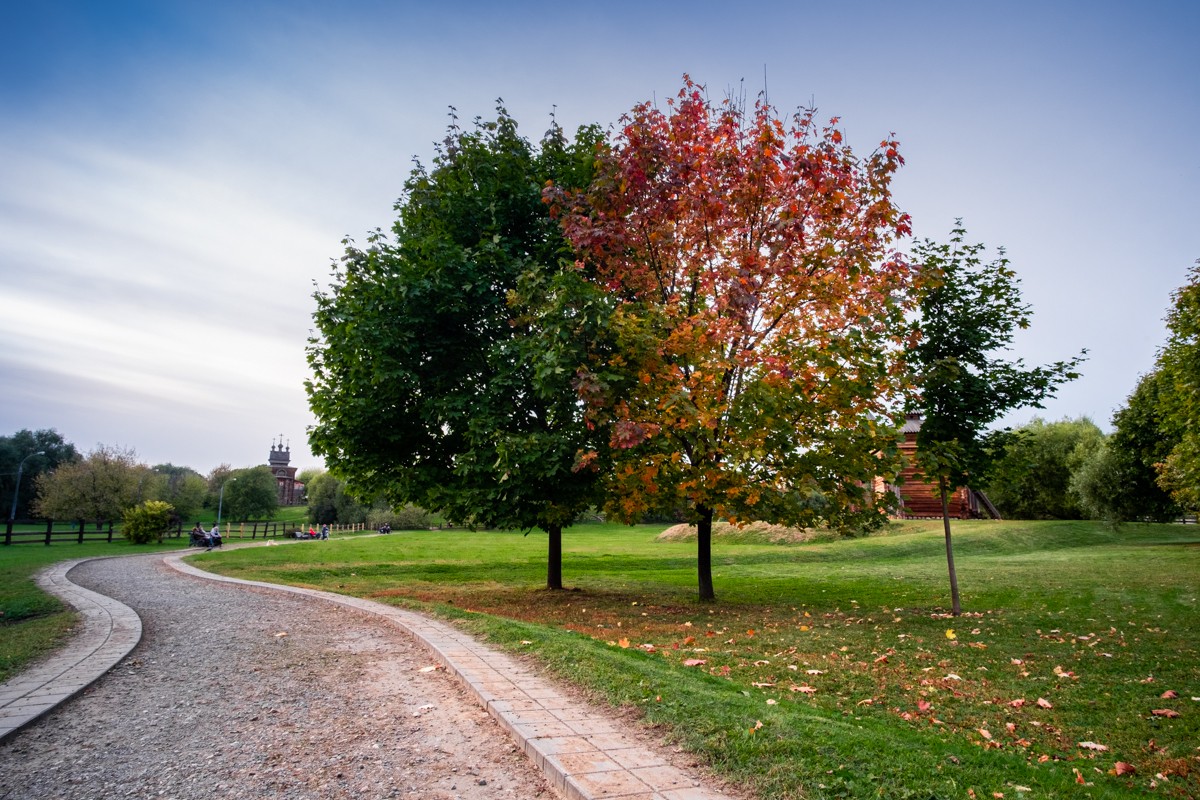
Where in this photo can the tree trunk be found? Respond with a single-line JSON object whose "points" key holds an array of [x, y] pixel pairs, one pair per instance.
{"points": [[704, 552], [554, 558], [955, 606]]}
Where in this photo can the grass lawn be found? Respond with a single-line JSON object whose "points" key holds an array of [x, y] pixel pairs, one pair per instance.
{"points": [[832, 669]]}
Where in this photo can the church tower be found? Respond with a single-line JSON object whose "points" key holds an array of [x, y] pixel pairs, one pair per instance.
{"points": [[285, 474]]}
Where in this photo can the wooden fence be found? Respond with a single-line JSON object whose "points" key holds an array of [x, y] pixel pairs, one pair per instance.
{"points": [[45, 531]]}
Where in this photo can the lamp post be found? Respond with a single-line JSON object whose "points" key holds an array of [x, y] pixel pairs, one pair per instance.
{"points": [[12, 514], [221, 500]]}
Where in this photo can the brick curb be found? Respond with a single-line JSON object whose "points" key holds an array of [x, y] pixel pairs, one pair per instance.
{"points": [[109, 630]]}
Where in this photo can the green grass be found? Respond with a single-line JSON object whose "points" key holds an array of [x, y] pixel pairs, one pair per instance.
{"points": [[848, 638], [851, 642]]}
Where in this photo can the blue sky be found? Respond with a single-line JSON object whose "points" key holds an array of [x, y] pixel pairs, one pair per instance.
{"points": [[174, 176]]}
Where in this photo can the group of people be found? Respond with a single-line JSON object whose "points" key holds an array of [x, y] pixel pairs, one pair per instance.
{"points": [[312, 533], [209, 539]]}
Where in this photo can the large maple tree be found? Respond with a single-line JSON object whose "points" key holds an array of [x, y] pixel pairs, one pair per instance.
{"points": [[759, 314]]}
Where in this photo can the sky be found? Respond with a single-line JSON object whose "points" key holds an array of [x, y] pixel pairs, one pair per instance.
{"points": [[176, 177]]}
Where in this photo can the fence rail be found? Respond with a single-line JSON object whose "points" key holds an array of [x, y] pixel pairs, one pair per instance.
{"points": [[48, 531]]}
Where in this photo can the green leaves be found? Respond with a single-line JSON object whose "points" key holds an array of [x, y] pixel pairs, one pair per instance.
{"points": [[970, 310], [443, 368]]}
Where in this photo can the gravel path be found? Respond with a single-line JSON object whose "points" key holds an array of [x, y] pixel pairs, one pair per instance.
{"points": [[242, 693]]}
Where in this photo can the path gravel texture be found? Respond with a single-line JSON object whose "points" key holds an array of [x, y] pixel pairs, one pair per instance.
{"points": [[237, 692]]}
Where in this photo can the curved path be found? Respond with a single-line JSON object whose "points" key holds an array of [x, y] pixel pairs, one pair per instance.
{"points": [[242, 671]]}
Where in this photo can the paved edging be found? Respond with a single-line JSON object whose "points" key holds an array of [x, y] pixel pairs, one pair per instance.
{"points": [[584, 753], [110, 629]]}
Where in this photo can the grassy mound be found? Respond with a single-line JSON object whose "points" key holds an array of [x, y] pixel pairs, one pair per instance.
{"points": [[751, 533]]}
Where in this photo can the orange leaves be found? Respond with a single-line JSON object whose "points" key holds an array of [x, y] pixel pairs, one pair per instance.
{"points": [[760, 300], [1165, 712]]}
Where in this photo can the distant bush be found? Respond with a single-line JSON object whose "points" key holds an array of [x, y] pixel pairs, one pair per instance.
{"points": [[408, 518], [147, 522]]}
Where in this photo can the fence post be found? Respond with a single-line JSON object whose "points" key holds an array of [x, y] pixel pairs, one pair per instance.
{"points": [[8, 532], [80, 537], [110, 531]]}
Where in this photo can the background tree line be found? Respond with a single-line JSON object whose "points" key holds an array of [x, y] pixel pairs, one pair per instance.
{"points": [[59, 482]]}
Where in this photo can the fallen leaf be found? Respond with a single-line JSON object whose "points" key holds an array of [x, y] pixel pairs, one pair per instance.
{"points": [[281, 634], [526, 641], [881, 660], [870, 701], [624, 643], [952, 677], [985, 733], [1018, 703], [814, 672], [762, 685], [1078, 775], [1165, 712], [1169, 694], [771, 701], [758, 724], [950, 634], [1044, 703], [1100, 748], [430, 669], [924, 705], [805, 689], [1124, 768], [695, 662]]}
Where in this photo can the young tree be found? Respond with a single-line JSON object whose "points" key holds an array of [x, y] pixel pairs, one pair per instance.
{"points": [[759, 314], [431, 383], [969, 312], [99, 486]]}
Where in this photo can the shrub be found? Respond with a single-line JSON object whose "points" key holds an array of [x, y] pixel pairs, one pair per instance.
{"points": [[147, 522], [408, 518]]}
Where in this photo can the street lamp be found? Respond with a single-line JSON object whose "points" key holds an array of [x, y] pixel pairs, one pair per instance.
{"points": [[221, 501], [17, 489]]}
